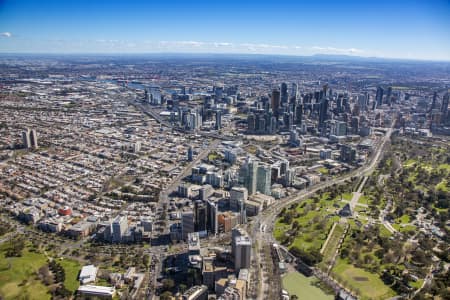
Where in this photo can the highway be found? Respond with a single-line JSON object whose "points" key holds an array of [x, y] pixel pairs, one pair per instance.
{"points": [[263, 224]]}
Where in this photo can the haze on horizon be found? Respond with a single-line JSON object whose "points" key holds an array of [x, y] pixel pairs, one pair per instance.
{"points": [[391, 29]]}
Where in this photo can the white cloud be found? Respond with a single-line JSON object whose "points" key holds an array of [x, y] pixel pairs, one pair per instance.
{"points": [[333, 50], [6, 34]]}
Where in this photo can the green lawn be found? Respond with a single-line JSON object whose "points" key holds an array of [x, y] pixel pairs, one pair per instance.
{"points": [[331, 247], [18, 279], [71, 268], [310, 234], [443, 185], [367, 285], [301, 286]]}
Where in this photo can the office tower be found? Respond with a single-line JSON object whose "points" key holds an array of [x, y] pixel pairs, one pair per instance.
{"points": [[238, 196], [298, 114], [323, 112], [379, 96], [251, 123], [362, 102], [200, 216], [242, 256], [263, 184], [294, 91], [389, 95], [433, 103], [218, 119], [444, 106], [340, 128], [26, 138], [252, 176], [324, 91], [218, 92], [284, 166], [212, 222], [284, 94], [348, 153], [275, 102], [34, 139], [119, 226], [187, 223], [190, 154], [355, 125]]}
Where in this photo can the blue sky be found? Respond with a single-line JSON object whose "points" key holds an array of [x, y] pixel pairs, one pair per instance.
{"points": [[397, 29]]}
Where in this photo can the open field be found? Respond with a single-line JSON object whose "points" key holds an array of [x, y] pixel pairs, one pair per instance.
{"points": [[18, 279], [301, 286], [72, 269], [333, 241], [367, 285], [314, 218]]}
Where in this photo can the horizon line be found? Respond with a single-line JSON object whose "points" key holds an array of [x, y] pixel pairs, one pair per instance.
{"points": [[330, 55]]}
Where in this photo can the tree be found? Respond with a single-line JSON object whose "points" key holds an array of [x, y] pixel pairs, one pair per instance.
{"points": [[168, 284], [166, 296]]}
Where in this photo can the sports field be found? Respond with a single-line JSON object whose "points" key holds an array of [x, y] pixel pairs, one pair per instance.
{"points": [[301, 286]]}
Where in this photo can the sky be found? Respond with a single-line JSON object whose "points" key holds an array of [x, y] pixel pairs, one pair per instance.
{"points": [[392, 29]]}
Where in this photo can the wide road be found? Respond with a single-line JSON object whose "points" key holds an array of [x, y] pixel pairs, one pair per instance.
{"points": [[263, 224]]}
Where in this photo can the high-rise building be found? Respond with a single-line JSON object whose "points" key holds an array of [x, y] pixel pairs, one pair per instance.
{"points": [[212, 211], [252, 176], [379, 96], [242, 256], [190, 154], [26, 138], [275, 102], [298, 114], [30, 139], [119, 226], [444, 106], [434, 102], [187, 223], [200, 216], [263, 184], [294, 91], [284, 94], [323, 113], [389, 95], [218, 119], [238, 195]]}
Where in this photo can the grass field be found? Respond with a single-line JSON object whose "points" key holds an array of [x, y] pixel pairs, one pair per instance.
{"points": [[71, 268], [331, 247], [301, 286], [310, 235], [367, 285], [18, 279]]}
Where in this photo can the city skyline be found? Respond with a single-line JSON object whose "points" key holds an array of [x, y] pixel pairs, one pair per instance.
{"points": [[404, 29]]}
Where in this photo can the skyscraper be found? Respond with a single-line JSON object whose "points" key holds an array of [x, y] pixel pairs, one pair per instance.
{"points": [[263, 184], [434, 102], [284, 94], [200, 216], [444, 106], [30, 139], [379, 96], [275, 102], [187, 223], [323, 112], [243, 250], [119, 226], [218, 119], [252, 176], [26, 138]]}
